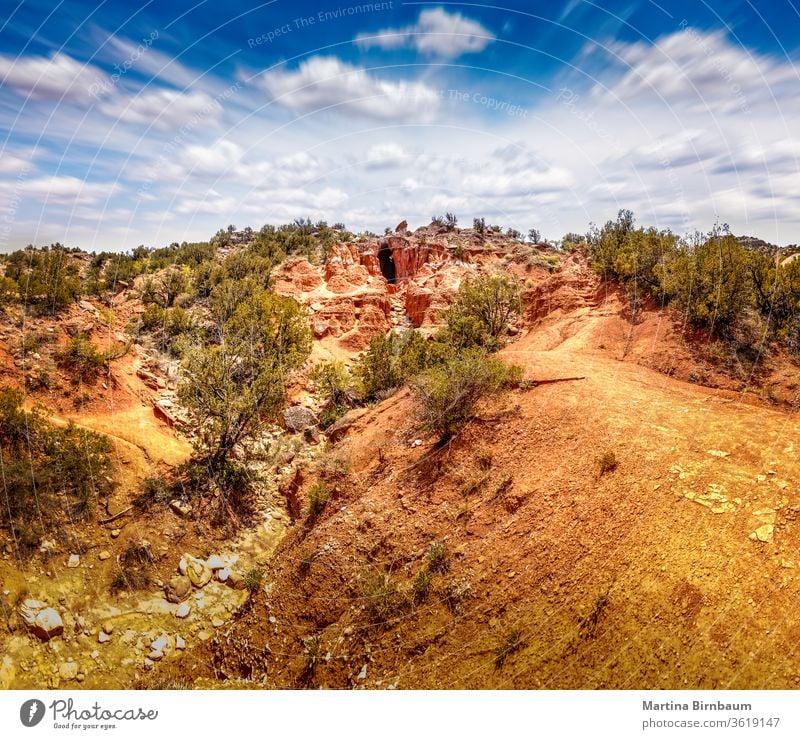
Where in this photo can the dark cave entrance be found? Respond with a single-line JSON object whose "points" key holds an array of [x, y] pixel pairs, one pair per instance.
{"points": [[386, 262]]}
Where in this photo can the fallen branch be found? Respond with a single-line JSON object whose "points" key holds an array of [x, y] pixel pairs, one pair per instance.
{"points": [[104, 521], [557, 379]]}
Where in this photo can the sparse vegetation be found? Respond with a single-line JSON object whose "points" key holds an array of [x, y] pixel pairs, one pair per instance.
{"points": [[448, 394], [318, 496], [607, 462], [52, 476], [82, 358], [588, 624], [512, 642]]}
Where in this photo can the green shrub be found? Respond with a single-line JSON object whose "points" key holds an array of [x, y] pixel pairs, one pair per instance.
{"points": [[82, 357], [318, 497], [438, 557], [381, 596], [333, 385], [52, 476], [447, 395], [711, 282], [394, 358], [480, 312]]}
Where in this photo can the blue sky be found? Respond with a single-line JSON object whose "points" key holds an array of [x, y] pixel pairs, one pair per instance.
{"points": [[123, 124]]}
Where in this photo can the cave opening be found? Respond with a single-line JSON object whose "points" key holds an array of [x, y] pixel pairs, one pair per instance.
{"points": [[386, 262]]}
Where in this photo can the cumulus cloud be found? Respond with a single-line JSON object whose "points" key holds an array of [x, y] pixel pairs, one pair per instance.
{"points": [[703, 68], [57, 77], [327, 82], [436, 33]]}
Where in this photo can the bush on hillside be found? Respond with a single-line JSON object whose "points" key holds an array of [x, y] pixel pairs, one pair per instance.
{"points": [[448, 394]]}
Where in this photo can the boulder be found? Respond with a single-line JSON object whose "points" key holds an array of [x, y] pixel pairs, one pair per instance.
{"points": [[298, 418], [178, 588], [198, 572], [41, 620], [401, 227]]}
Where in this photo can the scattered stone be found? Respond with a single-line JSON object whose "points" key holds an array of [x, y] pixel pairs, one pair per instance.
{"points": [[47, 547], [183, 610], [104, 555], [179, 642], [363, 674], [183, 565], [103, 637], [148, 663], [178, 589], [298, 418], [763, 533], [273, 620], [68, 670], [718, 453], [180, 508], [41, 620], [73, 561], [115, 533], [159, 644], [108, 627], [217, 622], [223, 574]]}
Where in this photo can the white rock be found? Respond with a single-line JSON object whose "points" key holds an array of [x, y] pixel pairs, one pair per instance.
{"points": [[182, 611], [41, 620], [73, 561], [363, 674], [179, 642], [159, 644], [224, 574], [102, 637], [215, 562]]}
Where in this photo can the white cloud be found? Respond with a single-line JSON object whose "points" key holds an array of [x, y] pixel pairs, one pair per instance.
{"points": [[436, 33], [703, 68], [61, 189], [323, 82], [146, 59], [218, 159], [164, 109], [49, 78], [17, 162], [384, 156]]}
